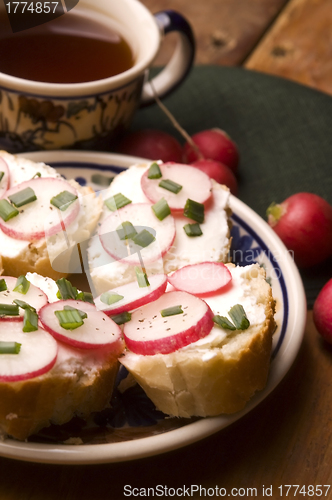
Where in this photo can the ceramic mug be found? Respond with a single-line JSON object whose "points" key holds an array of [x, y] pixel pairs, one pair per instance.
{"points": [[91, 115]]}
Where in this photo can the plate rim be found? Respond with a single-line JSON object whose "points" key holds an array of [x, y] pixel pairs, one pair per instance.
{"points": [[195, 431]]}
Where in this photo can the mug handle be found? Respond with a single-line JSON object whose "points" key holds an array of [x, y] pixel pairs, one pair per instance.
{"points": [[177, 69]]}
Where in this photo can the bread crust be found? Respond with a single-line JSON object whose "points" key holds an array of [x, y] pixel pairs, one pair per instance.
{"points": [[210, 381], [56, 397]]}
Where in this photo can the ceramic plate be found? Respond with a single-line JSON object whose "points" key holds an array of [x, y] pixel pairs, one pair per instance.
{"points": [[145, 432]]}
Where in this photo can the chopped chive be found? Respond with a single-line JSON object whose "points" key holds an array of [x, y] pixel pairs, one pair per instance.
{"points": [[66, 289], [110, 298], [126, 230], [7, 211], [171, 186], [9, 310], [119, 319], [154, 171], [142, 278], [9, 347], [30, 321], [63, 200], [24, 305], [194, 210], [101, 180], [117, 201], [3, 285], [23, 197], [83, 314], [143, 238], [22, 285], [1, 175], [161, 209], [69, 319], [171, 311], [193, 229], [85, 297], [223, 322], [239, 317], [37, 174]]}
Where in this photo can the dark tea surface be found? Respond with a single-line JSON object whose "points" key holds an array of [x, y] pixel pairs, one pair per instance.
{"points": [[70, 49]]}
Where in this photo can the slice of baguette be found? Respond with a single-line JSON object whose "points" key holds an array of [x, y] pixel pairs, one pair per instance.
{"points": [[19, 257], [80, 383], [221, 372]]}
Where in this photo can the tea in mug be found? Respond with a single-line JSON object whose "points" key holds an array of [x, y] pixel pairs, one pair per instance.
{"points": [[73, 48]]}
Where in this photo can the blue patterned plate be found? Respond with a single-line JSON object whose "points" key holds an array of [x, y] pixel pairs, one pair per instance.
{"points": [[134, 428]]}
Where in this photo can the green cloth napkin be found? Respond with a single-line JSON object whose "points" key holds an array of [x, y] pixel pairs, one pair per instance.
{"points": [[283, 131]]}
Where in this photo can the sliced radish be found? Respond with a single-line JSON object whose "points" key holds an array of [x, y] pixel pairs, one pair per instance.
{"points": [[133, 295], [126, 250], [97, 330], [37, 354], [196, 185], [4, 177], [40, 216], [35, 297], [200, 279], [149, 333]]}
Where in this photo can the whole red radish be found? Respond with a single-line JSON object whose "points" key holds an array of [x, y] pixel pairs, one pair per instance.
{"points": [[152, 144], [219, 172], [322, 312], [304, 223], [213, 144]]}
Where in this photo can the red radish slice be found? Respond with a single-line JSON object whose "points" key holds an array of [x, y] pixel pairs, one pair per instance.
{"points": [[141, 217], [98, 330], [133, 295], [5, 177], [196, 185], [37, 354], [35, 297], [200, 279], [40, 216], [150, 333]]}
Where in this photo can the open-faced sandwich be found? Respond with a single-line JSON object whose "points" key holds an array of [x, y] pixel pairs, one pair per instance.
{"points": [[193, 330]]}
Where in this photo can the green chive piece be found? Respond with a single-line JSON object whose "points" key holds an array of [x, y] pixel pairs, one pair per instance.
{"points": [[37, 174], [110, 298], [171, 311], [9, 310], [239, 317], [63, 200], [126, 230], [9, 347], [193, 230], [1, 175], [142, 278], [83, 314], [117, 201], [101, 180], [119, 319], [22, 285], [161, 209], [66, 289], [154, 171], [85, 297], [7, 211], [143, 238], [171, 186], [223, 322], [23, 197], [3, 285], [194, 210], [24, 305], [69, 319], [30, 321]]}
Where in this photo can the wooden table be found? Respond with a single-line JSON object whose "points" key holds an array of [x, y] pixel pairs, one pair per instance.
{"points": [[287, 440]]}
